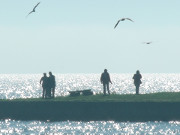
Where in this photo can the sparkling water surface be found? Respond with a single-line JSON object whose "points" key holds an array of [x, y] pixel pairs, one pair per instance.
{"points": [[27, 86], [92, 127]]}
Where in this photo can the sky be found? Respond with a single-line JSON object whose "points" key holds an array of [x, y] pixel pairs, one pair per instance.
{"points": [[78, 36]]}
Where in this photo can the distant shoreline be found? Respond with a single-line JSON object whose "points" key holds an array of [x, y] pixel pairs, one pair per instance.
{"points": [[95, 108]]}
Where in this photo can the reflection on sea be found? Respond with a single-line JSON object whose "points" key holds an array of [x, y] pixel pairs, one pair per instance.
{"points": [[93, 127]]}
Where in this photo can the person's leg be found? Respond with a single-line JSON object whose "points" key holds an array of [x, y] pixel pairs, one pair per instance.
{"points": [[137, 89], [108, 88], [104, 88], [49, 92], [43, 94], [46, 92], [53, 92]]}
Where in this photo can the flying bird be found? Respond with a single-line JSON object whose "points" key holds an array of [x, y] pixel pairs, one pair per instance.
{"points": [[147, 42], [123, 19], [34, 9]]}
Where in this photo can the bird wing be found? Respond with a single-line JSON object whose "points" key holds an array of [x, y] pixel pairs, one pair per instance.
{"points": [[117, 24], [29, 13], [36, 6], [129, 19]]}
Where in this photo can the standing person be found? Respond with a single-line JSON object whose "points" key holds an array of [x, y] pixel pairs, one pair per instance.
{"points": [[44, 82], [137, 81], [105, 80], [52, 83]]}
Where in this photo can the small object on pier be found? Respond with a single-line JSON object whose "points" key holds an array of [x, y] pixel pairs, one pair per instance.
{"points": [[79, 92], [87, 92], [74, 93]]}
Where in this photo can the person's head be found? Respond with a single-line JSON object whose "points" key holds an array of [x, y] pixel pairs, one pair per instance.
{"points": [[50, 73], [44, 74], [137, 72], [105, 70]]}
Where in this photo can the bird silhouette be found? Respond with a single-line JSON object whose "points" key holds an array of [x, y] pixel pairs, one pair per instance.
{"points": [[122, 19], [147, 42], [33, 9]]}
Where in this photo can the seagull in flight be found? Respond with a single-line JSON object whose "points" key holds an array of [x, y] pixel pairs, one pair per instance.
{"points": [[33, 9], [147, 42], [122, 19]]}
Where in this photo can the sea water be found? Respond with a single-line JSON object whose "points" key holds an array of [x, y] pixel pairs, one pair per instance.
{"points": [[27, 86], [92, 127]]}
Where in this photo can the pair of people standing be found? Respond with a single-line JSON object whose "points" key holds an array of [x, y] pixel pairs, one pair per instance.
{"points": [[48, 85], [105, 80]]}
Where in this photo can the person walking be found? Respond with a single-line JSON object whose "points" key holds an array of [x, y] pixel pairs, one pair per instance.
{"points": [[137, 81], [52, 84], [44, 82], [105, 80]]}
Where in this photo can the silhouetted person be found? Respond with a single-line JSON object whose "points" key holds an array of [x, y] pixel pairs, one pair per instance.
{"points": [[44, 82], [52, 83], [137, 81], [48, 89], [105, 80]]}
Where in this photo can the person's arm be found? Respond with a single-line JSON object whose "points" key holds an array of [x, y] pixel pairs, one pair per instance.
{"points": [[54, 81], [101, 78], [109, 79], [140, 76], [40, 81]]}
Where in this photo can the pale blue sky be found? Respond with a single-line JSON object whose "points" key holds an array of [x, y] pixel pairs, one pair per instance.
{"points": [[78, 36]]}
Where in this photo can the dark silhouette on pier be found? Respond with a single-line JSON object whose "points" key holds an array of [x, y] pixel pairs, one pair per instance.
{"points": [[123, 19], [52, 84], [33, 9], [137, 81], [105, 80], [44, 82]]}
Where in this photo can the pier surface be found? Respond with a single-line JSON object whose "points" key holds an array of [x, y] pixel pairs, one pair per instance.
{"points": [[92, 108]]}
